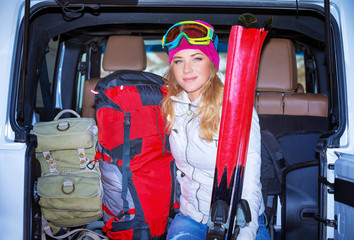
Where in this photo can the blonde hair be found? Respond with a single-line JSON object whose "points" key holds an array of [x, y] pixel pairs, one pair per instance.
{"points": [[208, 106]]}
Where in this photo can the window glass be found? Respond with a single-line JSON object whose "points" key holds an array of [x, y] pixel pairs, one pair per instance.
{"points": [[157, 58], [300, 63], [103, 72], [80, 82], [44, 92], [50, 58]]}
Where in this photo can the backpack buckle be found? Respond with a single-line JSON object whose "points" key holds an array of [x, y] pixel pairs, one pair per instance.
{"points": [[126, 122]]}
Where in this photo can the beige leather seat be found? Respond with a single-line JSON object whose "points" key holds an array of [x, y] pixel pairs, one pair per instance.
{"points": [[121, 53], [278, 92]]}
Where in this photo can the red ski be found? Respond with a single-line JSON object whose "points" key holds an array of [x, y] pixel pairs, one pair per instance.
{"points": [[245, 43]]}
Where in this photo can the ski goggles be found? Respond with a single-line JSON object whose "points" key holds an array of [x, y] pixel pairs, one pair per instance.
{"points": [[195, 33]]}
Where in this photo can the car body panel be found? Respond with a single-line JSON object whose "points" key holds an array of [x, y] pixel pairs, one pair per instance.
{"points": [[13, 154]]}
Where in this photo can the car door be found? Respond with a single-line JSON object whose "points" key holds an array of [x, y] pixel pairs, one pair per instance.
{"points": [[344, 196], [13, 147], [339, 158]]}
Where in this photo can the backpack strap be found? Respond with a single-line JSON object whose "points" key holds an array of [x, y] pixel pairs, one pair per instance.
{"points": [[84, 232], [175, 193], [83, 161], [273, 165], [50, 160], [272, 146], [142, 232], [126, 173]]}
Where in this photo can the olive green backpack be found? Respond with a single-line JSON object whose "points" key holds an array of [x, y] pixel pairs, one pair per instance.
{"points": [[70, 184]]}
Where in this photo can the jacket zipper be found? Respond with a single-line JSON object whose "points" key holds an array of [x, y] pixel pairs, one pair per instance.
{"points": [[189, 112]]}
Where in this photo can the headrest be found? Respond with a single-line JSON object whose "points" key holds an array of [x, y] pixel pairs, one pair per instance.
{"points": [[277, 67], [124, 53]]}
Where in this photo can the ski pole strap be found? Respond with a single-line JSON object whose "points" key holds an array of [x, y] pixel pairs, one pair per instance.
{"points": [[126, 173]]}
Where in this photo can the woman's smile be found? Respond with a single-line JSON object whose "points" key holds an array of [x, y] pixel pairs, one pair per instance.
{"points": [[190, 79]]}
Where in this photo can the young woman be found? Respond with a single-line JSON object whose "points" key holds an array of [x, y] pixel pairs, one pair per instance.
{"points": [[193, 109]]}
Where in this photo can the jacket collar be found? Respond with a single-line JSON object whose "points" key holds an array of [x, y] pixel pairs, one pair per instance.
{"points": [[183, 98], [183, 104]]}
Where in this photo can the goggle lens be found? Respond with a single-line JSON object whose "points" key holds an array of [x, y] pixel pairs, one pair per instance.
{"points": [[191, 30]]}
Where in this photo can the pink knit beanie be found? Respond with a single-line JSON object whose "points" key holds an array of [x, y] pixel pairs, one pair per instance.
{"points": [[208, 50]]}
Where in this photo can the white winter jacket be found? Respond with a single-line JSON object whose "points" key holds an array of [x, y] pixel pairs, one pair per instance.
{"points": [[195, 159]]}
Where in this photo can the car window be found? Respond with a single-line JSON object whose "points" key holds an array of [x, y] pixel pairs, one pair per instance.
{"points": [[300, 63], [46, 82], [157, 59]]}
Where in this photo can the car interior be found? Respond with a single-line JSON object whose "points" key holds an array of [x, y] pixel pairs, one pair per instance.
{"points": [[296, 99]]}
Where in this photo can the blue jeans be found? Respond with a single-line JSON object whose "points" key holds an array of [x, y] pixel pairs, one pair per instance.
{"points": [[262, 233], [185, 228]]}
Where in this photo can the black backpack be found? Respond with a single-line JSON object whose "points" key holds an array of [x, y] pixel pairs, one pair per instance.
{"points": [[272, 167]]}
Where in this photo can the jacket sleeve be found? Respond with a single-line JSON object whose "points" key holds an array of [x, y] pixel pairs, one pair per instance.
{"points": [[251, 185]]}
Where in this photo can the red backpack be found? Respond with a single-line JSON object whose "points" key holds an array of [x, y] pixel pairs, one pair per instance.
{"points": [[134, 163]]}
